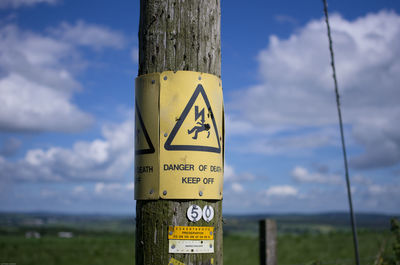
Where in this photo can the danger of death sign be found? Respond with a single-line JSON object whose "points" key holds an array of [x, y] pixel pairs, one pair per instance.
{"points": [[179, 136]]}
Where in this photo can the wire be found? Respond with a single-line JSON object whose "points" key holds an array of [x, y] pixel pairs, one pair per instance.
{"points": [[353, 221]]}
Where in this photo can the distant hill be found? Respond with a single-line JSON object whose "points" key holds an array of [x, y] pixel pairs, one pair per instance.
{"points": [[287, 223], [301, 223], [94, 222]]}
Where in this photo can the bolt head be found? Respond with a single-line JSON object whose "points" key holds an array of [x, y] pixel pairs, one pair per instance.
{"points": [[164, 192]]}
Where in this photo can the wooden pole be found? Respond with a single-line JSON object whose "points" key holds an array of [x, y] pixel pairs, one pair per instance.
{"points": [[268, 244], [176, 35]]}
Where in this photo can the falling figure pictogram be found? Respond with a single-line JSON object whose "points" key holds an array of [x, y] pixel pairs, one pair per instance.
{"points": [[202, 126]]}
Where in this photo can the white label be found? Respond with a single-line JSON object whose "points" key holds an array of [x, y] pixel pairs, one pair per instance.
{"points": [[194, 213], [208, 213], [191, 246]]}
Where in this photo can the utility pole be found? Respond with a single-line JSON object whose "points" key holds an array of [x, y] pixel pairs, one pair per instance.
{"points": [[178, 35]]}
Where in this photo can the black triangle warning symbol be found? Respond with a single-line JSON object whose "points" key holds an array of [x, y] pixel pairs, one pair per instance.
{"points": [[141, 132], [196, 132]]}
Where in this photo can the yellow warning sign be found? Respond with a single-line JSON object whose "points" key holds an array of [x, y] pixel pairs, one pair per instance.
{"points": [[191, 232], [192, 136], [146, 138], [173, 261], [180, 130]]}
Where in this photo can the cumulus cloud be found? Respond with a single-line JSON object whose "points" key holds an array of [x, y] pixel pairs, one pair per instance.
{"points": [[230, 174], [296, 91], [237, 187], [301, 174], [282, 191], [113, 188], [37, 76], [85, 34], [107, 159], [20, 3], [135, 54]]}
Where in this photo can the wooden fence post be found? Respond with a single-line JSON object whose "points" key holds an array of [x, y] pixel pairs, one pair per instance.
{"points": [[268, 242]]}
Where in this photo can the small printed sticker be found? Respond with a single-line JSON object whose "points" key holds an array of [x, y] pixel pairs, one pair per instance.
{"points": [[194, 213], [208, 213], [191, 232], [191, 246]]}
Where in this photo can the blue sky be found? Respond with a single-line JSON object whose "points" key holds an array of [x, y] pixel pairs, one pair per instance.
{"points": [[67, 74]]}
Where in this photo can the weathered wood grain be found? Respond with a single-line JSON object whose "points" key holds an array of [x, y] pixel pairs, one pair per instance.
{"points": [[176, 35]]}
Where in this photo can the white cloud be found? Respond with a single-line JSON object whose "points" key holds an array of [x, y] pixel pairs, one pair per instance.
{"points": [[231, 175], [35, 85], [101, 159], [290, 144], [229, 172], [78, 189], [37, 75], [296, 91], [20, 3], [301, 174], [84, 34], [135, 54], [114, 188], [237, 187], [282, 191]]}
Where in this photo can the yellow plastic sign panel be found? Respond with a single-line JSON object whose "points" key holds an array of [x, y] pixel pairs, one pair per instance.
{"points": [[146, 138], [191, 232], [173, 261], [188, 117]]}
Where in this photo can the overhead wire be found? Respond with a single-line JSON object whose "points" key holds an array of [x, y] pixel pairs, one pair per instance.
{"points": [[346, 167]]}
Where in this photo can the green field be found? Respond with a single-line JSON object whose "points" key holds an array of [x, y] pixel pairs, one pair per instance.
{"points": [[101, 239], [90, 248]]}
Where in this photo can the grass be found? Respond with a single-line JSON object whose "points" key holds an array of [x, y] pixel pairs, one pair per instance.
{"points": [[87, 249], [97, 248]]}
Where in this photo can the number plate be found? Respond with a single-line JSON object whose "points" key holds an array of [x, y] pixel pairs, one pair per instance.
{"points": [[208, 213], [194, 213], [191, 232]]}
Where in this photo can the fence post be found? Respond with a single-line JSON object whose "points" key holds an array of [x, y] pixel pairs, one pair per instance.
{"points": [[268, 242]]}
